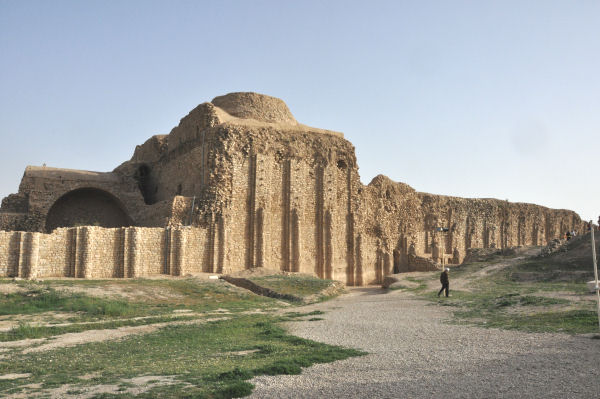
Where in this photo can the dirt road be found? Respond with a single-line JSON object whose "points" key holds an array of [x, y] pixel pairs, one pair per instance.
{"points": [[414, 353]]}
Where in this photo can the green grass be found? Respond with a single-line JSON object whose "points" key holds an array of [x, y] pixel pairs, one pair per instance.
{"points": [[397, 287], [197, 356], [41, 298], [302, 286], [504, 299], [98, 313], [422, 284], [517, 310], [566, 321], [213, 359], [198, 296]]}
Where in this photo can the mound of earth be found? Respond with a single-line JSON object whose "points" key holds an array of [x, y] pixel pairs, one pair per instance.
{"points": [[576, 250], [247, 279], [256, 272], [486, 254], [263, 271], [560, 261]]}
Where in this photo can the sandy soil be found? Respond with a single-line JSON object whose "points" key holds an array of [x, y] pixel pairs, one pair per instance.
{"points": [[133, 386]]}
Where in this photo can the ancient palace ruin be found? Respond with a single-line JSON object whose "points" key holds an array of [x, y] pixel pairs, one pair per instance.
{"points": [[239, 183]]}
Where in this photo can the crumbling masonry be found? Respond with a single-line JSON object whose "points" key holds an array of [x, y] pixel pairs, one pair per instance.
{"points": [[241, 184]]}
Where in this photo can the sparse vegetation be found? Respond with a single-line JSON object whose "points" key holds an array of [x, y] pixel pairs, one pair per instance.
{"points": [[537, 294], [43, 299], [212, 360]]}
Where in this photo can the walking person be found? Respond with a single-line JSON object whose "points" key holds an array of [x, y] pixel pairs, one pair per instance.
{"points": [[445, 282]]}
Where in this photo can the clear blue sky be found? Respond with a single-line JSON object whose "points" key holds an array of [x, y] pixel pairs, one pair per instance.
{"points": [[468, 98]]}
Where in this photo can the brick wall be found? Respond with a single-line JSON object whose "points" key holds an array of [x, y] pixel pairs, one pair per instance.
{"points": [[96, 252]]}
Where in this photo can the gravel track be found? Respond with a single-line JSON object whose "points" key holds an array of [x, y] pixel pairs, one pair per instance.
{"points": [[413, 353]]}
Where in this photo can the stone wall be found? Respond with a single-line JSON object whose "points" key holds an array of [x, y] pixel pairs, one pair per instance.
{"points": [[443, 228], [287, 200], [96, 252], [239, 183]]}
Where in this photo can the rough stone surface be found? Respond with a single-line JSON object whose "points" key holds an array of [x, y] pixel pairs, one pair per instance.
{"points": [[260, 190], [255, 106]]}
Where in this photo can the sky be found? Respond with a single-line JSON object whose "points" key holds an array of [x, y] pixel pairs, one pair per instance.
{"points": [[475, 99]]}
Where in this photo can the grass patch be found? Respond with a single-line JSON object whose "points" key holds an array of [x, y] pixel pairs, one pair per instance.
{"points": [[211, 360], [421, 284], [192, 294], [569, 321], [514, 297], [195, 356], [518, 311], [293, 285], [38, 299]]}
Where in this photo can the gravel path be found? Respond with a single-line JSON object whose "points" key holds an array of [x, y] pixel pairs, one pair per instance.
{"points": [[414, 354]]}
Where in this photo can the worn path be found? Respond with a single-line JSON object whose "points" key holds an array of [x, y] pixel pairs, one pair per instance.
{"points": [[413, 353]]}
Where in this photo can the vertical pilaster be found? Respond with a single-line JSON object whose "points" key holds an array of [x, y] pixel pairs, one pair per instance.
{"points": [[120, 267], [28, 254], [350, 260], [178, 252], [81, 252], [210, 266], [350, 253], [34, 255], [327, 227], [14, 248], [358, 279], [259, 240], [221, 243], [167, 251], [295, 242], [132, 249], [449, 235], [22, 259], [286, 216], [319, 216], [172, 253], [251, 214]]}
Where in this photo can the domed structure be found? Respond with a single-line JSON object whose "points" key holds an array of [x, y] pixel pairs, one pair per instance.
{"points": [[248, 105]]}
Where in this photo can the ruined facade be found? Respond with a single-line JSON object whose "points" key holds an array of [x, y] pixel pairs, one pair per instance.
{"points": [[239, 183]]}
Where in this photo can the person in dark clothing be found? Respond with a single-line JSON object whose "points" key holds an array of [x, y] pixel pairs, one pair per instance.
{"points": [[445, 281]]}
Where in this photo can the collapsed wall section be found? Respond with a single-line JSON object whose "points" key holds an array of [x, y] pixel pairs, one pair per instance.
{"points": [[416, 229]]}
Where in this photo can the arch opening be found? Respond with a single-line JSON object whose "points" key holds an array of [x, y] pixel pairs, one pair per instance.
{"points": [[87, 207]]}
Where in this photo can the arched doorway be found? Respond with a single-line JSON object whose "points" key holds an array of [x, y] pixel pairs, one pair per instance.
{"points": [[87, 207]]}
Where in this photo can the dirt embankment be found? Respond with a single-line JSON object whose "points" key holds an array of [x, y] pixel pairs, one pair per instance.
{"points": [[243, 279]]}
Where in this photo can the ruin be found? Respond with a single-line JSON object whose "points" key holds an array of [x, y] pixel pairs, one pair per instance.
{"points": [[239, 183]]}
